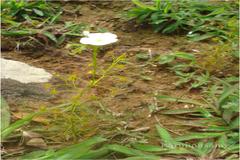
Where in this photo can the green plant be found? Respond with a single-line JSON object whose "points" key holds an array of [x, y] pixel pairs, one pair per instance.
{"points": [[198, 69], [202, 20], [83, 150], [220, 112], [31, 23], [25, 11], [216, 128], [186, 67], [6, 127], [79, 117]]}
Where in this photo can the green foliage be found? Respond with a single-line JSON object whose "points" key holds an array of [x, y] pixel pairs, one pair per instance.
{"points": [[198, 69], [11, 128], [222, 122], [201, 19], [220, 127], [24, 10], [185, 67], [83, 150], [33, 21]]}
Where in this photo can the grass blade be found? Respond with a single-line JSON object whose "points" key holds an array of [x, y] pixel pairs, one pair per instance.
{"points": [[7, 131], [125, 150], [148, 148], [204, 135]]}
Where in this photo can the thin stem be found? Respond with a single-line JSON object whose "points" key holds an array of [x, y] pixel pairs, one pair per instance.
{"points": [[94, 62]]}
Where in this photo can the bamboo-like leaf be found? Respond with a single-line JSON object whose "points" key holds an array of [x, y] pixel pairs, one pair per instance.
{"points": [[234, 124], [171, 99], [142, 5], [93, 154], [125, 150], [50, 36], [149, 148], [181, 111], [166, 137], [14, 33], [7, 131], [183, 55], [204, 135], [77, 151], [201, 37], [179, 151], [38, 12], [143, 158]]}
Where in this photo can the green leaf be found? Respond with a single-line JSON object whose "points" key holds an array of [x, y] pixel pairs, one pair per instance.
{"points": [[179, 151], [143, 158], [142, 56], [201, 37], [38, 12], [50, 36], [171, 28], [14, 33], [171, 99], [142, 5], [94, 154], [222, 141], [234, 124], [7, 131], [181, 111], [166, 59], [226, 94], [61, 39], [5, 114], [77, 150], [169, 142], [55, 18], [149, 148], [204, 135], [36, 155], [203, 148], [27, 17], [216, 129], [125, 150], [183, 55]]}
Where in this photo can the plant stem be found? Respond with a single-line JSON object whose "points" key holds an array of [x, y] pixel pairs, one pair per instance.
{"points": [[94, 62]]}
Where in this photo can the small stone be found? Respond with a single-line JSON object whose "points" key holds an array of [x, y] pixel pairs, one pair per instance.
{"points": [[23, 72]]}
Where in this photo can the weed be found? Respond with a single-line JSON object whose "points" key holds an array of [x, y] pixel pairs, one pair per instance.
{"points": [[32, 23], [202, 20], [199, 69], [218, 124], [221, 114]]}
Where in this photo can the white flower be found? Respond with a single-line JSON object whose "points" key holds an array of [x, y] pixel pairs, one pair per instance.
{"points": [[98, 39]]}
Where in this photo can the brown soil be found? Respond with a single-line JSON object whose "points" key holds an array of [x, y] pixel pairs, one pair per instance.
{"points": [[125, 92]]}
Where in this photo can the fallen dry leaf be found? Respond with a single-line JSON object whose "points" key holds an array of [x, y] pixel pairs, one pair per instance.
{"points": [[37, 142], [30, 134], [40, 119]]}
